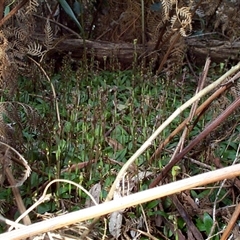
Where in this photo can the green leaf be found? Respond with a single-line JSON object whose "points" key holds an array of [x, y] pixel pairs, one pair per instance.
{"points": [[152, 204], [181, 223], [121, 154], [34, 178], [77, 8], [46, 207], [200, 225], [208, 222], [70, 13], [67, 127], [7, 8]]}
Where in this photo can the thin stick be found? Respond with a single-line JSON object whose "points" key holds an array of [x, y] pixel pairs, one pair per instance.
{"points": [[18, 198], [231, 223]]}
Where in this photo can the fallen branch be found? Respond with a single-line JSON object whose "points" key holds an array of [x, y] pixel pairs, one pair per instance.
{"points": [[125, 53]]}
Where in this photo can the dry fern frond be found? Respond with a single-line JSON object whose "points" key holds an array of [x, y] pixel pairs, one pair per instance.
{"points": [[184, 12], [176, 58], [129, 22], [32, 6], [154, 23], [48, 41], [167, 6], [35, 49], [15, 44], [16, 35], [185, 31], [7, 69], [2, 206], [25, 21], [182, 21], [16, 32], [8, 113], [174, 21], [21, 116]]}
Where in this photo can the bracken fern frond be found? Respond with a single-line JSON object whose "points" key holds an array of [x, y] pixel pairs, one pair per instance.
{"points": [[32, 6], [48, 41]]}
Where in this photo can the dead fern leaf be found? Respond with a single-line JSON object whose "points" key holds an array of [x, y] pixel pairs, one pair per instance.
{"points": [[32, 6], [48, 41], [35, 49], [174, 21], [14, 117], [11, 137], [2, 205], [20, 34], [167, 7]]}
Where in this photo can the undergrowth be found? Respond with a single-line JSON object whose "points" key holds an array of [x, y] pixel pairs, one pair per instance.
{"points": [[73, 120], [104, 118]]}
